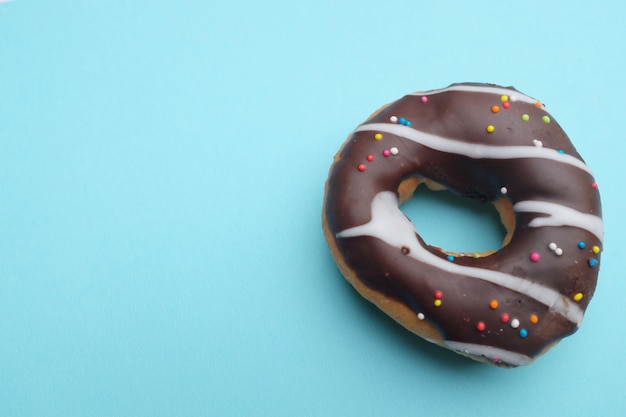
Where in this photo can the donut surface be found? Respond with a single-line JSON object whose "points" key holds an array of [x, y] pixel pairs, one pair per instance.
{"points": [[486, 142]]}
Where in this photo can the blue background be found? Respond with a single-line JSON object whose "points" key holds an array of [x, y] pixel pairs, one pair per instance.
{"points": [[162, 167]]}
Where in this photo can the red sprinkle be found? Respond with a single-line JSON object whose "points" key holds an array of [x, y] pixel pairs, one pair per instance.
{"points": [[480, 326], [594, 185], [362, 167], [506, 105], [438, 295], [534, 257], [504, 318], [370, 157]]}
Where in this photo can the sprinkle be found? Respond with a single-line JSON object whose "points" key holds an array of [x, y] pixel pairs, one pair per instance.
{"points": [[394, 151], [504, 318], [593, 262], [370, 157], [578, 296], [523, 333], [513, 98], [393, 119], [480, 326], [504, 99], [404, 121], [420, 316], [546, 119], [378, 136], [495, 359], [561, 151], [438, 294], [437, 303], [534, 256], [495, 109], [450, 258], [476, 255], [581, 245], [424, 99], [595, 249], [386, 152], [490, 129], [538, 104], [362, 167], [493, 304], [537, 143], [506, 105], [503, 190], [557, 251], [525, 117], [594, 185], [515, 323], [534, 318]]}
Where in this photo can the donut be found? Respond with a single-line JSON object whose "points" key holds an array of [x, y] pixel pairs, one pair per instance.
{"points": [[504, 307]]}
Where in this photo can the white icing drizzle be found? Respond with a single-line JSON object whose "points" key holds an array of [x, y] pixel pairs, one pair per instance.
{"points": [[390, 225], [512, 94], [472, 150], [559, 215], [490, 352]]}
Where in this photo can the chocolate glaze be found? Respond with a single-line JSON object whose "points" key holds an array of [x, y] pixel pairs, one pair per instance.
{"points": [[462, 113]]}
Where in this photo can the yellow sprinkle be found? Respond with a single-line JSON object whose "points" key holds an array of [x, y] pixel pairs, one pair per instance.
{"points": [[378, 136], [578, 296], [490, 128], [504, 99], [595, 249], [437, 303], [534, 319], [476, 255]]}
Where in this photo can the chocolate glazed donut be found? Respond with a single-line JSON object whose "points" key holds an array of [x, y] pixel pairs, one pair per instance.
{"points": [[486, 142]]}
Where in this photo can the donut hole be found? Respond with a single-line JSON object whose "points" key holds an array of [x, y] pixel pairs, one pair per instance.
{"points": [[456, 224]]}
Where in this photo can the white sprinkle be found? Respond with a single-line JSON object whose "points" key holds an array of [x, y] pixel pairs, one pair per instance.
{"points": [[515, 323], [420, 316], [503, 190], [558, 251], [538, 143], [513, 98], [394, 151], [552, 246], [393, 119]]}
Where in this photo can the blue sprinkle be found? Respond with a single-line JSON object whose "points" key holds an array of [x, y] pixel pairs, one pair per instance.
{"points": [[402, 121], [450, 258], [561, 151], [581, 245], [523, 333], [408, 123], [593, 262]]}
